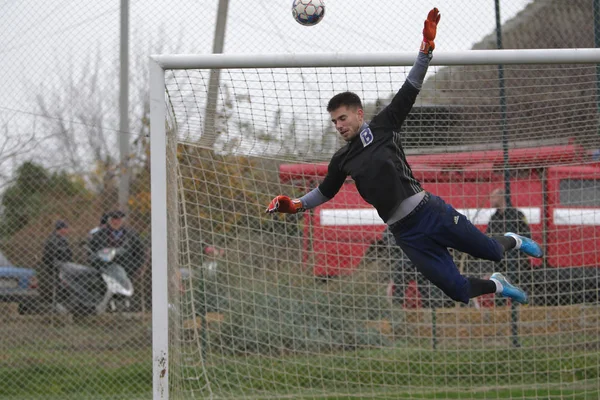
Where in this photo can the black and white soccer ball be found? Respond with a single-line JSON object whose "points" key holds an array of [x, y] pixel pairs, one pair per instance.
{"points": [[308, 12]]}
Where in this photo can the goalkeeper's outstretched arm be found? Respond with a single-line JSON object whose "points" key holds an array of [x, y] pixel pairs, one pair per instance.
{"points": [[285, 204], [395, 113], [416, 76]]}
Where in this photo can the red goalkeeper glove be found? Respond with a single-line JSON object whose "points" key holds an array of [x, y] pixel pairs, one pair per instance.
{"points": [[429, 31], [284, 204]]}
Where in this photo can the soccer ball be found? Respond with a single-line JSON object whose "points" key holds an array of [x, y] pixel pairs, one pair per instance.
{"points": [[308, 12]]}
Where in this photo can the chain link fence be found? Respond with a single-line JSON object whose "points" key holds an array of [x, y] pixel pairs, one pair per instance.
{"points": [[75, 271]]}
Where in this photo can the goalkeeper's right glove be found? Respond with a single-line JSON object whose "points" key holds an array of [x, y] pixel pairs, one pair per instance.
{"points": [[284, 204], [430, 30]]}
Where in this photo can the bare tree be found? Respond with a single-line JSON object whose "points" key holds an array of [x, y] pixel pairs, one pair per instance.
{"points": [[16, 145], [80, 113]]}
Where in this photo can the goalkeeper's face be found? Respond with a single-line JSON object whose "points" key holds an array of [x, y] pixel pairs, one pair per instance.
{"points": [[347, 121]]}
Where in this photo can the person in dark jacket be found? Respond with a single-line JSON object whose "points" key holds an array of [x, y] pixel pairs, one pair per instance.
{"points": [[56, 249], [423, 224], [102, 224], [116, 235], [509, 219]]}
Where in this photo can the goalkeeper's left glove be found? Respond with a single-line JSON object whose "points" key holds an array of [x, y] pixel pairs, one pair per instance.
{"points": [[284, 204], [429, 31]]}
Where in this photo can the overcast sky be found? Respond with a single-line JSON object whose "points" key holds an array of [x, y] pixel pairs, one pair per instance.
{"points": [[40, 41], [37, 37]]}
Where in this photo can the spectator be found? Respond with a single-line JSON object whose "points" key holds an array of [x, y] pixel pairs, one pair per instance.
{"points": [[116, 235], [103, 222], [509, 219], [56, 249]]}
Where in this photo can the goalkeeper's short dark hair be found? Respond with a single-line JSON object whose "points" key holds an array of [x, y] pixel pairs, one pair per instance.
{"points": [[348, 99]]}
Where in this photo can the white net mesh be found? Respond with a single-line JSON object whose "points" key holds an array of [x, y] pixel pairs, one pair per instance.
{"points": [[323, 305], [60, 153]]}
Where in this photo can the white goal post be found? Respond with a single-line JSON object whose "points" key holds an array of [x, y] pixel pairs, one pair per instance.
{"points": [[166, 186], [465, 57]]}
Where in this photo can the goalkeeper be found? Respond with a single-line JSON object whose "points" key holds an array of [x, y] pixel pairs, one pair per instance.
{"points": [[423, 225]]}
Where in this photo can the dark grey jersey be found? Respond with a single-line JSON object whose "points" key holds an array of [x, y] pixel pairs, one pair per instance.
{"points": [[375, 159]]}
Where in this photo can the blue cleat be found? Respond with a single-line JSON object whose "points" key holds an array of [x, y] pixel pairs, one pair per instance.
{"points": [[509, 290], [526, 245]]}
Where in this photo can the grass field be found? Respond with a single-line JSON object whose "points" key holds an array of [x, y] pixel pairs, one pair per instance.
{"points": [[81, 361], [403, 373], [269, 379], [397, 374], [102, 358]]}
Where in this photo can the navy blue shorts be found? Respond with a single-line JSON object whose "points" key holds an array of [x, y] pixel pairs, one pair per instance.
{"points": [[425, 236]]}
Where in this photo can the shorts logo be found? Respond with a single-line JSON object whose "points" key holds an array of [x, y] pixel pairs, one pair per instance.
{"points": [[455, 219], [366, 137]]}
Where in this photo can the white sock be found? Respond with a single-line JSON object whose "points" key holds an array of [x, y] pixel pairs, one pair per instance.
{"points": [[499, 286], [517, 239]]}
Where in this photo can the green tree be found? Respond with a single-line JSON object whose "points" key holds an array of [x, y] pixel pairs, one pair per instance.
{"points": [[35, 191]]}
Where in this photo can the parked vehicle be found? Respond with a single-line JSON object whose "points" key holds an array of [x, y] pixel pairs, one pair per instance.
{"points": [[86, 290], [556, 187], [18, 285]]}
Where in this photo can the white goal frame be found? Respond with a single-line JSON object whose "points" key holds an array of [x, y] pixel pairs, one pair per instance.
{"points": [[158, 158]]}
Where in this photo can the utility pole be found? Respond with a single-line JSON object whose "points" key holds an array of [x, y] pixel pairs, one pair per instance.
{"points": [[209, 134], [514, 312], [125, 172]]}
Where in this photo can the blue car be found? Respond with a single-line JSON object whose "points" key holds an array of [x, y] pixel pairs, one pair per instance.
{"points": [[18, 285]]}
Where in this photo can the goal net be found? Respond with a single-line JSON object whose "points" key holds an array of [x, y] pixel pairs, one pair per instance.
{"points": [[323, 305]]}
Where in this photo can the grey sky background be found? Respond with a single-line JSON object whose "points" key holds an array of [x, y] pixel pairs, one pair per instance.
{"points": [[43, 45]]}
